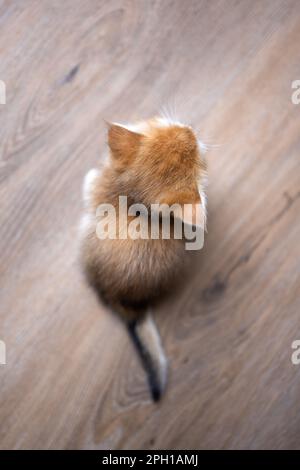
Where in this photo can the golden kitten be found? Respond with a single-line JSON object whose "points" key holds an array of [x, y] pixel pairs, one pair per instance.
{"points": [[153, 162]]}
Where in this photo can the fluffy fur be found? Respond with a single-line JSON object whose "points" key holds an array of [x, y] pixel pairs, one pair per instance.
{"points": [[155, 161]]}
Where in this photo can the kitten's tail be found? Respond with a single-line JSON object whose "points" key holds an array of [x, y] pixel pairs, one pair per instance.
{"points": [[146, 340]]}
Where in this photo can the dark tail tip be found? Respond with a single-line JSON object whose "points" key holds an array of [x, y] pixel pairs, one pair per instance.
{"points": [[147, 363], [155, 392]]}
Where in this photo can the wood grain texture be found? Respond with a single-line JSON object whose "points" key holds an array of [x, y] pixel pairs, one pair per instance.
{"points": [[72, 379]]}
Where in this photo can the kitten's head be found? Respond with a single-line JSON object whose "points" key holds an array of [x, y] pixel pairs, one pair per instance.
{"points": [[160, 162]]}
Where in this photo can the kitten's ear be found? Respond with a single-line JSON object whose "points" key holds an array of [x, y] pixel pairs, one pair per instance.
{"points": [[122, 142]]}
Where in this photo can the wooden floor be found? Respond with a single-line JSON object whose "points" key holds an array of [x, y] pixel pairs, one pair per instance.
{"points": [[71, 378]]}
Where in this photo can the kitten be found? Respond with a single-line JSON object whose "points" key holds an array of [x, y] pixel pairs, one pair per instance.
{"points": [[155, 161]]}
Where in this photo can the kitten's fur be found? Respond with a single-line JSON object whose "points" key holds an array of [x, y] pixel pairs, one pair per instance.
{"points": [[155, 161]]}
